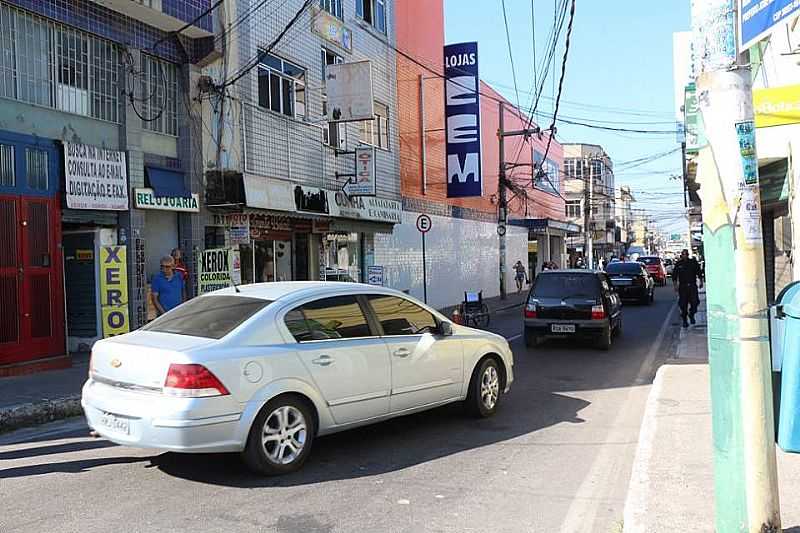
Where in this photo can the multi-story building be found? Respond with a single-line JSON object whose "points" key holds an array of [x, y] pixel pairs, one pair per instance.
{"points": [[589, 185], [463, 244], [275, 166], [99, 169]]}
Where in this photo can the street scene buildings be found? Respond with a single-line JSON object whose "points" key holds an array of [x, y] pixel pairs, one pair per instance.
{"points": [[231, 229]]}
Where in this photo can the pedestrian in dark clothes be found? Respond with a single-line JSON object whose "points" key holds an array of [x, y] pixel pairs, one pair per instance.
{"points": [[685, 275]]}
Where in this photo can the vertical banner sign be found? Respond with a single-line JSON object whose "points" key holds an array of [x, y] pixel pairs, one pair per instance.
{"points": [[462, 120], [114, 290], [214, 270]]}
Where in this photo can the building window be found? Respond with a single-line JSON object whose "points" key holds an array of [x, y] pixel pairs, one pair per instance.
{"points": [[36, 161], [573, 208], [331, 133], [159, 94], [49, 64], [334, 7], [373, 12], [7, 173], [376, 132], [573, 168], [282, 87], [597, 169]]}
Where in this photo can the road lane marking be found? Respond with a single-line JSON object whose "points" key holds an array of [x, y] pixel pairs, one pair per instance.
{"points": [[582, 512]]}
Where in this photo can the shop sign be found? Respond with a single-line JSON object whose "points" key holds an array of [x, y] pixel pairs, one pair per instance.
{"points": [[216, 268], [695, 133], [365, 208], [238, 235], [462, 117], [114, 290], [332, 30], [349, 91], [364, 182], [146, 199], [268, 193], [777, 106], [375, 275], [320, 226], [758, 18], [95, 178], [311, 200], [84, 255]]}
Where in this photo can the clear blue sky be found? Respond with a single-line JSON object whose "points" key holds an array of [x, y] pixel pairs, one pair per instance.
{"points": [[619, 74]]}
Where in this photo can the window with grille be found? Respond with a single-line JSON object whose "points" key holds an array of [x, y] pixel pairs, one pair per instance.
{"points": [[376, 132], [159, 94], [334, 7], [7, 174], [331, 133], [282, 87], [36, 161], [49, 64]]}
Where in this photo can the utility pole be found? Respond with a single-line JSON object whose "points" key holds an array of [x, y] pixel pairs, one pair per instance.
{"points": [[501, 190], [746, 484], [588, 190]]}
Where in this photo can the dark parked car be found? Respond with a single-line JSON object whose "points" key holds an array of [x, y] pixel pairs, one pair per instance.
{"points": [[632, 281], [572, 304]]}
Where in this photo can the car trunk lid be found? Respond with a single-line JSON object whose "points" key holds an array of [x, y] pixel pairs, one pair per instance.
{"points": [[569, 308]]}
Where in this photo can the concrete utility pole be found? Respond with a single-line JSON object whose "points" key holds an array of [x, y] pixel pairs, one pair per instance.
{"points": [[746, 484], [588, 190], [502, 224]]}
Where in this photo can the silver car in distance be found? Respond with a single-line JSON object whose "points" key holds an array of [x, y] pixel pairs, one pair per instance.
{"points": [[265, 368]]}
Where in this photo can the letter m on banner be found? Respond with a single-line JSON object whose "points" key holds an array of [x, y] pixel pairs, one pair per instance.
{"points": [[462, 110]]}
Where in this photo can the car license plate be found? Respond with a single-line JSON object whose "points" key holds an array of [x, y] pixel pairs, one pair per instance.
{"points": [[115, 423], [621, 282], [562, 328]]}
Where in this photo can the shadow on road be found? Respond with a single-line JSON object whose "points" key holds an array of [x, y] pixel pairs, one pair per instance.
{"points": [[66, 467], [54, 449], [390, 446]]}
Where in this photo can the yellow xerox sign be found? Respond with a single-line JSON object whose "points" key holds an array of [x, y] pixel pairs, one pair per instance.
{"points": [[114, 290]]}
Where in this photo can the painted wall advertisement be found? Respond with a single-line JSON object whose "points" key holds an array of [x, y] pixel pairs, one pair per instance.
{"points": [[95, 178], [216, 268], [462, 118], [759, 17], [114, 290]]}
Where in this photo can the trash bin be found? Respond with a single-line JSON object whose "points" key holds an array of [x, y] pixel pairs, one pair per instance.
{"points": [[785, 343]]}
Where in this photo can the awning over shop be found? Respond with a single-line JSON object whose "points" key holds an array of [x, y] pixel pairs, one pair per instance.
{"points": [[773, 183], [546, 225], [167, 183]]}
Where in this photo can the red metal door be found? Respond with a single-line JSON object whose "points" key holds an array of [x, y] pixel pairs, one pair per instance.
{"points": [[31, 291]]}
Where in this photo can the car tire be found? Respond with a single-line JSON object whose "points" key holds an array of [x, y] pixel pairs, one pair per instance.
{"points": [[531, 340], [652, 296], [604, 342], [644, 300], [484, 389], [282, 425]]}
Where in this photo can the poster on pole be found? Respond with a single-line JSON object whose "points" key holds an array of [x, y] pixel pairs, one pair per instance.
{"points": [[462, 120], [216, 268], [349, 91]]}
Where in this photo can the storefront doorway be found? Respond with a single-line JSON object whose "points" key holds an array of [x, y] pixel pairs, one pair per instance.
{"points": [[266, 261], [341, 257]]}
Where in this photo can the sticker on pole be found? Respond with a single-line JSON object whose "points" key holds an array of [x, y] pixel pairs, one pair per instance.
{"points": [[424, 223], [746, 135]]}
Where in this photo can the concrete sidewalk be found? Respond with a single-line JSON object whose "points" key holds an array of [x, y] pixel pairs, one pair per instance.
{"points": [[672, 482]]}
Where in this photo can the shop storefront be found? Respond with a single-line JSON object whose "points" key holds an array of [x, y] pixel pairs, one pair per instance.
{"points": [[547, 241]]}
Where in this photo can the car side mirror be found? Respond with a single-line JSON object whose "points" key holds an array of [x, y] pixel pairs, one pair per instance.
{"points": [[445, 329]]}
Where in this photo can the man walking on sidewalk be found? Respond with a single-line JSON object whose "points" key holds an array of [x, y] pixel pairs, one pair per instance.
{"points": [[685, 275]]}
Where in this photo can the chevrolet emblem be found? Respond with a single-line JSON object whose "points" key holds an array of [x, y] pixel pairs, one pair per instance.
{"points": [[116, 363]]}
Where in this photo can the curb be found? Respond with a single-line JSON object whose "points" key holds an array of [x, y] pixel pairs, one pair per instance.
{"points": [[35, 413]]}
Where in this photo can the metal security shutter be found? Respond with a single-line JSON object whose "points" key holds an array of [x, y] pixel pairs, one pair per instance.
{"points": [[81, 295]]}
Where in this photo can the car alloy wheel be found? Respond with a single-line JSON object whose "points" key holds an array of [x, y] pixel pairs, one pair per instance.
{"points": [[284, 435], [490, 387]]}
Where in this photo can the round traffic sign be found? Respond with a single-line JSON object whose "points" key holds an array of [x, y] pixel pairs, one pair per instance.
{"points": [[501, 230], [423, 223]]}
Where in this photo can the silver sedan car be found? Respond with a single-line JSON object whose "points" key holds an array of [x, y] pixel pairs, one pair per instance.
{"points": [[263, 369]]}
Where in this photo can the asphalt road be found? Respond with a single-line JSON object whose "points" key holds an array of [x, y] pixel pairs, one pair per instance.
{"points": [[556, 457]]}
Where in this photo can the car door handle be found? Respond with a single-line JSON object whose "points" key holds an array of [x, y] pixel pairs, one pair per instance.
{"points": [[323, 360], [402, 352]]}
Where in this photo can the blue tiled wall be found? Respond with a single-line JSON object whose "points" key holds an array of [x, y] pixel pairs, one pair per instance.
{"points": [[188, 10]]}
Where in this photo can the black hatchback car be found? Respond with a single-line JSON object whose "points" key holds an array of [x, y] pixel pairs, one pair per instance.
{"points": [[632, 281], [572, 304]]}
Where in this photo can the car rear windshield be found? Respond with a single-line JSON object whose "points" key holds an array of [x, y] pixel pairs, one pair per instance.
{"points": [[649, 260], [566, 285], [208, 316], [624, 268]]}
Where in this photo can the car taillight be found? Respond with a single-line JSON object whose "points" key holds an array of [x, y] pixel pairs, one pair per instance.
{"points": [[192, 381], [530, 311], [598, 313]]}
